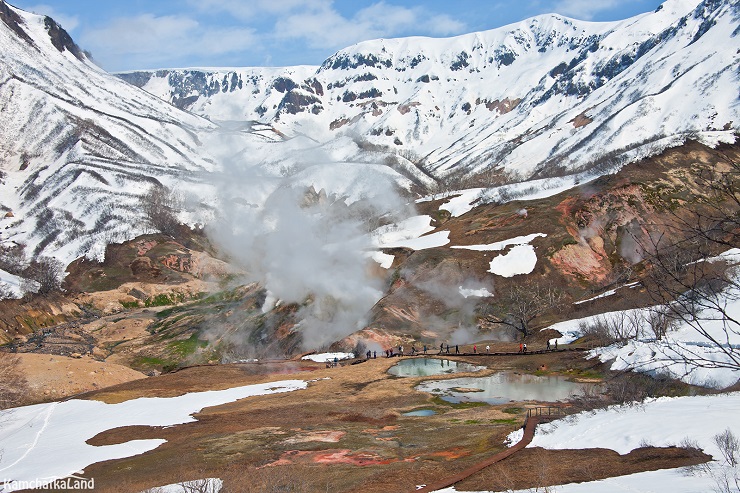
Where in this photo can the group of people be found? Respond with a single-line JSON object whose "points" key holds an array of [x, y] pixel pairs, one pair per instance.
{"points": [[390, 353], [445, 349]]}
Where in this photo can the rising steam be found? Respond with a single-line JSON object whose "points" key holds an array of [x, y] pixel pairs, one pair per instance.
{"points": [[301, 232]]}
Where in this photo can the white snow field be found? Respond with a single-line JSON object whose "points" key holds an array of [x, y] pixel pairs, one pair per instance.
{"points": [[520, 260], [683, 353], [659, 422], [408, 234], [45, 442], [11, 283], [325, 357]]}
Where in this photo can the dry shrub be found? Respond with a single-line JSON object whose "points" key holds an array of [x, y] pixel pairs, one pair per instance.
{"points": [[13, 385], [278, 479]]}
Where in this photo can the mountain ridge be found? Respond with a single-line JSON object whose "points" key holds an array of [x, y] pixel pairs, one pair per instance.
{"points": [[602, 74]]}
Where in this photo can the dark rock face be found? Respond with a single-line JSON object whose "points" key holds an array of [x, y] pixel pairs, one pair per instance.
{"points": [[461, 62], [346, 62], [61, 39], [14, 22], [297, 101], [284, 84], [138, 79]]}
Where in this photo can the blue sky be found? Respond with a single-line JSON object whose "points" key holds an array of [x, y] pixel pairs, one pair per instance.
{"points": [[145, 34]]}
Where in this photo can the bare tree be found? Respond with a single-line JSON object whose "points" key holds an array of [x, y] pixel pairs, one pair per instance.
{"points": [[13, 385], [523, 303], [160, 206], [48, 273], [727, 477], [697, 287]]}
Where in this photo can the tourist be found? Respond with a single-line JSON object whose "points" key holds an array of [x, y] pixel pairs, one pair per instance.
{"points": [[425, 349], [457, 349], [524, 347], [475, 348], [488, 349], [441, 348], [520, 347], [548, 344], [556, 344], [375, 355]]}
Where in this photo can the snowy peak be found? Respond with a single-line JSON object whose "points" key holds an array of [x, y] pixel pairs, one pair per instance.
{"points": [[79, 145], [548, 95], [58, 37], [61, 40]]}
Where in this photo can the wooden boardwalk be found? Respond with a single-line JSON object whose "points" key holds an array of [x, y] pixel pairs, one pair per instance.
{"points": [[529, 427], [535, 416]]}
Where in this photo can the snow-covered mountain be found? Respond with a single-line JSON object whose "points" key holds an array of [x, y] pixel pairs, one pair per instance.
{"points": [[77, 145], [545, 96]]}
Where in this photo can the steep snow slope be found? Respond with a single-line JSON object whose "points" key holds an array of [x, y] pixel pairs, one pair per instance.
{"points": [[78, 145], [544, 96]]}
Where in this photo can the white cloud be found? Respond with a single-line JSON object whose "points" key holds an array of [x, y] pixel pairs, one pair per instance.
{"points": [[324, 27], [248, 10], [444, 25], [68, 22], [585, 9], [151, 40]]}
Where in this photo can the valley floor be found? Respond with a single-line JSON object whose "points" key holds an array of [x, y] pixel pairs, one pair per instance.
{"points": [[341, 428]]}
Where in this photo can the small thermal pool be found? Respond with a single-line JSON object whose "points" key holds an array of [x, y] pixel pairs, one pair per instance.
{"points": [[504, 387], [424, 367], [421, 412]]}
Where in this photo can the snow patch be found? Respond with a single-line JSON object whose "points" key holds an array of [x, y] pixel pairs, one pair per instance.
{"points": [[500, 245], [328, 357], [520, 260], [49, 440], [208, 485]]}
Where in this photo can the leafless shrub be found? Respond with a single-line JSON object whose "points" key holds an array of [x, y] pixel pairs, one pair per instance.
{"points": [[598, 331], [13, 385], [13, 258], [523, 303], [615, 327], [727, 480], [659, 321], [47, 272], [160, 206], [628, 389], [729, 445], [684, 275], [693, 447]]}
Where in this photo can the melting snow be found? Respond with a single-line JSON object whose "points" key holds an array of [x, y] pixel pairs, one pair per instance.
{"points": [[500, 245], [385, 260], [208, 485], [605, 294], [12, 283], [682, 353], [48, 441], [520, 260], [408, 234], [324, 357], [660, 422]]}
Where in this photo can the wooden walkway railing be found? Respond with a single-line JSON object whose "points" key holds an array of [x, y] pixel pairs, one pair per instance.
{"points": [[545, 413], [535, 415]]}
